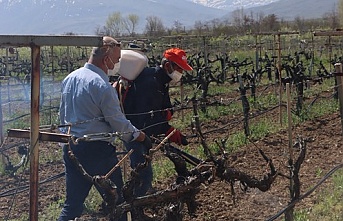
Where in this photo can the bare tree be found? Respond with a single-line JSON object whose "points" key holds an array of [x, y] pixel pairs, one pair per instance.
{"points": [[270, 23], [101, 30], [299, 24], [178, 26], [129, 23], [215, 23], [154, 26], [198, 27], [237, 17], [114, 24], [244, 23], [332, 19], [340, 11], [248, 23]]}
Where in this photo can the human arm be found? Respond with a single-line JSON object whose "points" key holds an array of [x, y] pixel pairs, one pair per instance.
{"points": [[111, 110]]}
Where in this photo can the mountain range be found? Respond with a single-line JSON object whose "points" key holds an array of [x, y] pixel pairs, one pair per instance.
{"points": [[84, 16], [289, 9], [233, 4]]}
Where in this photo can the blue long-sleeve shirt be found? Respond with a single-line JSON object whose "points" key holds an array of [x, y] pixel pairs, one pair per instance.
{"points": [[90, 104]]}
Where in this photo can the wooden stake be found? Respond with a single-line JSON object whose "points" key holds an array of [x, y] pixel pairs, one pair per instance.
{"points": [[289, 116], [119, 163], [339, 78]]}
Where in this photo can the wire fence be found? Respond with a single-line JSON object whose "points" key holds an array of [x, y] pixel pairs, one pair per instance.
{"points": [[244, 84]]}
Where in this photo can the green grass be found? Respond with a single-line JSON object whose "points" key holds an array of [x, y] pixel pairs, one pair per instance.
{"points": [[162, 169], [91, 205], [24, 217], [52, 212], [329, 207], [93, 201]]}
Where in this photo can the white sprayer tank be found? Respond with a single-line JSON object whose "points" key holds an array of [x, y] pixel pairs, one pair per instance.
{"points": [[132, 63]]}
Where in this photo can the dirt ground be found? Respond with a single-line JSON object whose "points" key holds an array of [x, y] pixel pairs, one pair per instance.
{"points": [[215, 201]]}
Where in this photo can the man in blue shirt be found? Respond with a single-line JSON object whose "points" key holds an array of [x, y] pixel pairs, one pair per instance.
{"points": [[89, 104]]}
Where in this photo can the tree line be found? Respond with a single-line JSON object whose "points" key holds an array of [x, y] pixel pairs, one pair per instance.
{"points": [[241, 23]]}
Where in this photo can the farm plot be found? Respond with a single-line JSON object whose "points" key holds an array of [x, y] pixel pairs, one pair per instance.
{"points": [[218, 198], [215, 200]]}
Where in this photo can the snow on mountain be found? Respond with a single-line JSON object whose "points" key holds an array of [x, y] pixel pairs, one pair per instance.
{"points": [[233, 4]]}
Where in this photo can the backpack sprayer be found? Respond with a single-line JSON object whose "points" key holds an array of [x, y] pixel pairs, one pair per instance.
{"points": [[131, 65]]}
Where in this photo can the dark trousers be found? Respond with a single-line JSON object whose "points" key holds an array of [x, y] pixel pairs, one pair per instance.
{"points": [[97, 158], [145, 175]]}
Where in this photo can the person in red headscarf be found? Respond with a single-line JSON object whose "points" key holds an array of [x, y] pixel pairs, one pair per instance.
{"points": [[146, 103]]}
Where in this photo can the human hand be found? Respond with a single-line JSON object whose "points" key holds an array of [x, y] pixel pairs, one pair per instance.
{"points": [[147, 143], [177, 137], [168, 114]]}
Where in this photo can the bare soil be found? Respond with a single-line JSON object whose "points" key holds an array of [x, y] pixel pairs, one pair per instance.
{"points": [[216, 201]]}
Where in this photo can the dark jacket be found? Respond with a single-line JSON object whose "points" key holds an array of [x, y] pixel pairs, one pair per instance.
{"points": [[145, 100]]}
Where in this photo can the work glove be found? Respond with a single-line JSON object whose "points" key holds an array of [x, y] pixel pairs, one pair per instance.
{"points": [[177, 137], [147, 143], [168, 115]]}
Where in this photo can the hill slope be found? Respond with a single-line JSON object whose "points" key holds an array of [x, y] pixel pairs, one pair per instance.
{"points": [[289, 9], [83, 16]]}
